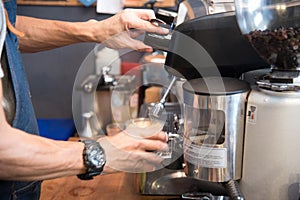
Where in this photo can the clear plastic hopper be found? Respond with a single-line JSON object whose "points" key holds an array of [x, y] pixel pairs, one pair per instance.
{"points": [[272, 28]]}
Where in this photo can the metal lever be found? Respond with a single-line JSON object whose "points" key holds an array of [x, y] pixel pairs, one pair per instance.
{"points": [[87, 131], [157, 109]]}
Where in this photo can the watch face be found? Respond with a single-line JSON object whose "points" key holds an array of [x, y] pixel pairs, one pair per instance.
{"points": [[96, 157]]}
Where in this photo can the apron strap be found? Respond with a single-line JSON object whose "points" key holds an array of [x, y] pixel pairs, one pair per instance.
{"points": [[12, 28]]}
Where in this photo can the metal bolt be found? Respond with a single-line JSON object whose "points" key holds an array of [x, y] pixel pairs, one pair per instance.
{"points": [[88, 87]]}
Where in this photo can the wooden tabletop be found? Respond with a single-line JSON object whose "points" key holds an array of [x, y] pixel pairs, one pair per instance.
{"points": [[116, 186]]}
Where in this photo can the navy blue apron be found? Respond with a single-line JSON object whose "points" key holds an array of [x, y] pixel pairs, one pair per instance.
{"points": [[24, 114]]}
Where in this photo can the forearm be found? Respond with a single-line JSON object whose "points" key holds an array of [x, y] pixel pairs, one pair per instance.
{"points": [[41, 34], [28, 157], [114, 32]]}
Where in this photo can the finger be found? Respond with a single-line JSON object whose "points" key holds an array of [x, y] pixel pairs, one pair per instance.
{"points": [[138, 45], [137, 161], [145, 14], [123, 40], [147, 165], [156, 22], [150, 158], [135, 33], [147, 26], [154, 145], [140, 19], [148, 50], [159, 136], [157, 141]]}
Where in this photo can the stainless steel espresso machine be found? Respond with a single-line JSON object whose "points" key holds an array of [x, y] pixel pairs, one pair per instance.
{"points": [[241, 100]]}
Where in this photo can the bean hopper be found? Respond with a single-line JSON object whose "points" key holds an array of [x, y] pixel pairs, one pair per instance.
{"points": [[257, 44], [271, 164]]}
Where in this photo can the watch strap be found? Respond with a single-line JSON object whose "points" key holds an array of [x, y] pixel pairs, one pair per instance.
{"points": [[92, 169]]}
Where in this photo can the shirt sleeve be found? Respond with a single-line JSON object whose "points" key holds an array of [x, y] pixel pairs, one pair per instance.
{"points": [[2, 33], [1, 72]]}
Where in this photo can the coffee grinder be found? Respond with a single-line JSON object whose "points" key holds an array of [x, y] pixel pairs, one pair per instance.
{"points": [[271, 164], [259, 43], [214, 101], [214, 113]]}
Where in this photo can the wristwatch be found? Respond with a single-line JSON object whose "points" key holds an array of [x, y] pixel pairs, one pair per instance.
{"points": [[94, 159]]}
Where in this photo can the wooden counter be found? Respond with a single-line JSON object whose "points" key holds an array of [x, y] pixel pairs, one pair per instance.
{"points": [[114, 186], [117, 186]]}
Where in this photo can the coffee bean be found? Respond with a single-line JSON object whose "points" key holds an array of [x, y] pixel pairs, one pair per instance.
{"points": [[279, 47]]}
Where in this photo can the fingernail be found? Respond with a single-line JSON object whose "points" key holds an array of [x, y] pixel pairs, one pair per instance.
{"points": [[167, 137], [165, 30], [157, 21], [165, 147]]}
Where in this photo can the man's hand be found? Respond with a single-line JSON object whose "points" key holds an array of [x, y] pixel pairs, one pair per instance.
{"points": [[121, 29], [133, 154]]}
